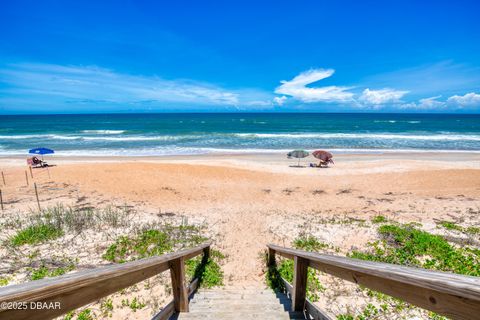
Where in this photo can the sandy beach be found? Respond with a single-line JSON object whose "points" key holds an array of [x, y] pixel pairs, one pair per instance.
{"points": [[252, 200], [247, 201]]}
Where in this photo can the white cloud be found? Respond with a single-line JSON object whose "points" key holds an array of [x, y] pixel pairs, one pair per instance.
{"points": [[297, 88], [471, 99], [382, 96], [427, 80], [280, 100], [425, 104], [92, 85], [431, 103]]}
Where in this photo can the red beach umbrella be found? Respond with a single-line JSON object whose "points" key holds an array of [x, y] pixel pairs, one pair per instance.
{"points": [[323, 156]]}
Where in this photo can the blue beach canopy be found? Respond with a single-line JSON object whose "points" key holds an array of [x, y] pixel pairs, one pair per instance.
{"points": [[41, 151]]}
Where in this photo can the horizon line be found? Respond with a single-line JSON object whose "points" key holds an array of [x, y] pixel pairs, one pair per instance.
{"points": [[236, 112]]}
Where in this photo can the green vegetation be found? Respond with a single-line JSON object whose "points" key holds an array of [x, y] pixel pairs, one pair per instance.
{"points": [[379, 219], [86, 314], [44, 271], [208, 272], [4, 281], [406, 245], [450, 225], [37, 233], [369, 312], [148, 243], [69, 315], [309, 243], [472, 230], [135, 304], [344, 221], [106, 307], [53, 222], [314, 287], [285, 268], [78, 219], [453, 226], [434, 316], [151, 242]]}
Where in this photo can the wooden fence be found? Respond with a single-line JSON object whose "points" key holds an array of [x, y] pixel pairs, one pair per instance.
{"points": [[78, 289], [452, 295]]}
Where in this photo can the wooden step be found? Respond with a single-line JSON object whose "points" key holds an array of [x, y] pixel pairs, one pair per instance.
{"points": [[240, 307], [239, 304], [238, 295], [273, 315]]}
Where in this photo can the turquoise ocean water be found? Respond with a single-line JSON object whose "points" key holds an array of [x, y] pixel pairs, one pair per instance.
{"points": [[177, 134]]}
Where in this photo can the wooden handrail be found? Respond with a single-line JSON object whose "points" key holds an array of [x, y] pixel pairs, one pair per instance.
{"points": [[78, 289], [455, 296]]}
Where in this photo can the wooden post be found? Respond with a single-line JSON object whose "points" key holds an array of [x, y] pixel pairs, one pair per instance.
{"points": [[206, 254], [26, 177], [3, 178], [271, 257], [31, 173], [1, 199], [180, 290], [36, 195], [299, 284]]}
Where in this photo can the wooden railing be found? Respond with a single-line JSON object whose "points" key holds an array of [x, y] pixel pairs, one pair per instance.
{"points": [[451, 295], [71, 291]]}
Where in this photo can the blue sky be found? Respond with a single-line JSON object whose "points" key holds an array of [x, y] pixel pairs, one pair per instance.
{"points": [[320, 56]]}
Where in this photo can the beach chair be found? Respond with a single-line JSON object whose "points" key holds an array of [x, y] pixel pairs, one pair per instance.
{"points": [[35, 162]]}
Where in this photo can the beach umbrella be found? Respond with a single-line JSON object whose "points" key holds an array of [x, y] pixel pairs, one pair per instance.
{"points": [[299, 154], [323, 155], [41, 151]]}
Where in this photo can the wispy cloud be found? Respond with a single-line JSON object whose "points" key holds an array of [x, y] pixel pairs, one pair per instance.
{"points": [[381, 96], [431, 103], [468, 101], [297, 88], [94, 85], [445, 78], [425, 104]]}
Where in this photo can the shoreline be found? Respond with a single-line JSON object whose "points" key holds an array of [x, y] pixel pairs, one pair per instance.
{"points": [[240, 152], [266, 157]]}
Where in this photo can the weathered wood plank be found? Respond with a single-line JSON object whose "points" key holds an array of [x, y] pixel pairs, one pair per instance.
{"points": [[180, 291], [453, 295], [169, 309], [299, 284], [271, 257], [311, 309], [80, 288]]}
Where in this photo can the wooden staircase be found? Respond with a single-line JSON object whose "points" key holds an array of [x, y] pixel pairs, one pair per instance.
{"points": [[455, 296], [239, 303]]}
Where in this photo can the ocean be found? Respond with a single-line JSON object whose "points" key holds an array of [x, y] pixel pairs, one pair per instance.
{"points": [[204, 133]]}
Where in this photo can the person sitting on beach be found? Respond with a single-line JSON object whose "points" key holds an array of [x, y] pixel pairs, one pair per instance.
{"points": [[35, 162]]}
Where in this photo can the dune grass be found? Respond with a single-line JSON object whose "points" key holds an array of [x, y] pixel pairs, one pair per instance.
{"points": [[407, 245], [45, 271], [154, 241], [452, 226], [37, 233]]}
